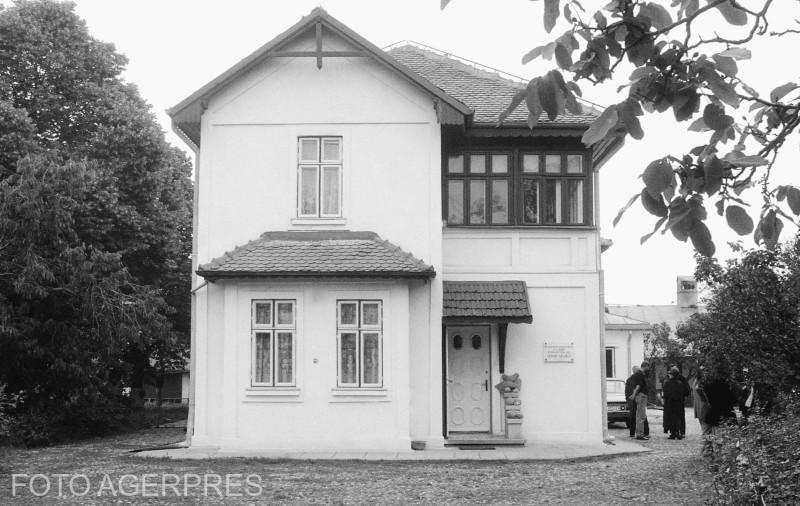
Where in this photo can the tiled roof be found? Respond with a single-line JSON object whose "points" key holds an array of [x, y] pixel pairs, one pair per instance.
{"points": [[337, 253], [490, 300], [671, 314], [486, 93]]}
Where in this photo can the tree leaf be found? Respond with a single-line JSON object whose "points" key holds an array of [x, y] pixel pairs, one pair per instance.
{"points": [[685, 104], [698, 125], [737, 53], [443, 4], [654, 205], [781, 91], [532, 54], [731, 14], [533, 103], [658, 15], [515, 101], [551, 11], [642, 72], [747, 161], [563, 56], [624, 208], [769, 229], [793, 199], [713, 172], [715, 118], [726, 65], [739, 220], [549, 49], [645, 237], [551, 97], [627, 112], [658, 176], [600, 127], [600, 19], [721, 89], [701, 239]]}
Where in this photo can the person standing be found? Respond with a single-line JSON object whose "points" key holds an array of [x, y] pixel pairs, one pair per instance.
{"points": [[629, 386], [673, 392], [639, 396]]}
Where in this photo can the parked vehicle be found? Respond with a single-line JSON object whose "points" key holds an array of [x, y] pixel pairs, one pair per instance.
{"points": [[616, 404]]}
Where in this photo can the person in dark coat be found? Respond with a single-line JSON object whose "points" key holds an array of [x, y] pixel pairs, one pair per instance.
{"points": [[673, 393], [632, 406]]}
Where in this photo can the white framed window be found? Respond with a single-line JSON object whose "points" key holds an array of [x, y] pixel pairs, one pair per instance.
{"points": [[319, 177], [359, 343], [273, 340]]}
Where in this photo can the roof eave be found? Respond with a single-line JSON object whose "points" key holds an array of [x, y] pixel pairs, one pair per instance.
{"points": [[487, 319], [212, 276]]}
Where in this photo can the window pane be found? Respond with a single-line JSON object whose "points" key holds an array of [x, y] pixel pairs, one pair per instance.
{"points": [[552, 202], [477, 202], [331, 150], [530, 163], [285, 364], [500, 202], [477, 163], [263, 313], [574, 164], [370, 313], [455, 164], [308, 191], [309, 150], [285, 312], [552, 163], [263, 361], [348, 313], [330, 190], [530, 201], [574, 201], [499, 164], [372, 357], [348, 356], [455, 202]]}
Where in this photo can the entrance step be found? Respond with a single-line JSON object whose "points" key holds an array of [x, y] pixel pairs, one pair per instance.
{"points": [[484, 443]]}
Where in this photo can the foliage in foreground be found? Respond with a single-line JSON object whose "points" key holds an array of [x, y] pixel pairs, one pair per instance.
{"points": [[759, 461], [95, 224], [678, 60]]}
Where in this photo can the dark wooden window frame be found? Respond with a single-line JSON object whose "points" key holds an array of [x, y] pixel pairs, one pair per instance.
{"points": [[514, 177]]}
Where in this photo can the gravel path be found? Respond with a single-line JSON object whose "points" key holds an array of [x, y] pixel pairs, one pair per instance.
{"points": [[673, 473]]}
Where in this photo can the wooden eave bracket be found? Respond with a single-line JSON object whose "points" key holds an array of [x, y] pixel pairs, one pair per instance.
{"points": [[319, 53]]}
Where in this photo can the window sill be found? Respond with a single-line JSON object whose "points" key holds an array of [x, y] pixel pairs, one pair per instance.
{"points": [[319, 221], [359, 395], [272, 392]]}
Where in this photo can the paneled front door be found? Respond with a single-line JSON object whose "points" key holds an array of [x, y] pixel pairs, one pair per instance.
{"points": [[468, 364]]}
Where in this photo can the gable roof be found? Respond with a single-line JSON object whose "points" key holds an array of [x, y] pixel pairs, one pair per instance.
{"points": [[501, 301], [619, 322], [319, 253], [186, 114], [487, 93]]}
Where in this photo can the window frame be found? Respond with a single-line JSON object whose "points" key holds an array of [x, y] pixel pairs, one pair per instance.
{"points": [[359, 329], [320, 164], [273, 328], [613, 363], [515, 176]]}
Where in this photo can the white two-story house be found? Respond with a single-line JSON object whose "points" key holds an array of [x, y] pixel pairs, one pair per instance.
{"points": [[372, 252]]}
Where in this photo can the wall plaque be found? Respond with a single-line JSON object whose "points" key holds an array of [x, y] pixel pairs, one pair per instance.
{"points": [[554, 353]]}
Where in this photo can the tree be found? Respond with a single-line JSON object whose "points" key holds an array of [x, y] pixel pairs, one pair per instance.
{"points": [[752, 318], [660, 344], [95, 220], [678, 67]]}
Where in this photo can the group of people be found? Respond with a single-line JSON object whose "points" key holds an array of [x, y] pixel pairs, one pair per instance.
{"points": [[713, 402]]}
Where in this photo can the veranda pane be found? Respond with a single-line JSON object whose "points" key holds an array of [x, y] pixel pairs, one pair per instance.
{"points": [[331, 190], [285, 362], [285, 311], [499, 164], [574, 164], [455, 164], [263, 313], [530, 163], [455, 202], [308, 191], [500, 202], [331, 150], [552, 164], [477, 202], [262, 372], [372, 358], [348, 358], [552, 202], [477, 164], [574, 202], [530, 201]]}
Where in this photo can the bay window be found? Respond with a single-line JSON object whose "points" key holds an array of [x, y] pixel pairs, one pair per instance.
{"points": [[516, 188]]}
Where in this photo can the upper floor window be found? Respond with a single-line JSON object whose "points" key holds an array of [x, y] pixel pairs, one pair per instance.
{"points": [[538, 188], [319, 177]]}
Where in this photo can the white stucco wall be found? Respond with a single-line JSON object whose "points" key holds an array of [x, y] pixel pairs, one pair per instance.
{"points": [[247, 175], [629, 349], [560, 401]]}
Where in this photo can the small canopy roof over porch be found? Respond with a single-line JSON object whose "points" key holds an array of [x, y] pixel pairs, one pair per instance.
{"points": [[500, 302]]}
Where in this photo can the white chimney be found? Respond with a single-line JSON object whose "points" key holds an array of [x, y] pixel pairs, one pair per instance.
{"points": [[687, 292]]}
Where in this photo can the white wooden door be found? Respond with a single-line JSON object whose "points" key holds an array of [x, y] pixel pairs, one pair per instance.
{"points": [[468, 363]]}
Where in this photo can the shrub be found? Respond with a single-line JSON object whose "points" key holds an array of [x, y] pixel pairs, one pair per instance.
{"points": [[759, 462], [8, 403]]}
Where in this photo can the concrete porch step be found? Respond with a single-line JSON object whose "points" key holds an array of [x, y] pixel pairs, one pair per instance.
{"points": [[483, 442]]}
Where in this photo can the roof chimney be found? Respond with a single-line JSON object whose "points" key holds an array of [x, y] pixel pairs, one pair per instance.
{"points": [[687, 292]]}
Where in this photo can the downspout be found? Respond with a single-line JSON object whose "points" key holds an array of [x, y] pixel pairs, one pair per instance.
{"points": [[630, 365], [193, 327], [601, 303]]}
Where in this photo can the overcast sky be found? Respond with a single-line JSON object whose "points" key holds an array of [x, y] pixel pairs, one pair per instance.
{"points": [[177, 46]]}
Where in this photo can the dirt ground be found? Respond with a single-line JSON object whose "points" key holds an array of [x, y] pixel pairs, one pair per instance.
{"points": [[673, 473]]}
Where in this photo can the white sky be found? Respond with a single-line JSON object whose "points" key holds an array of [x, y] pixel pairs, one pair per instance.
{"points": [[177, 46]]}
